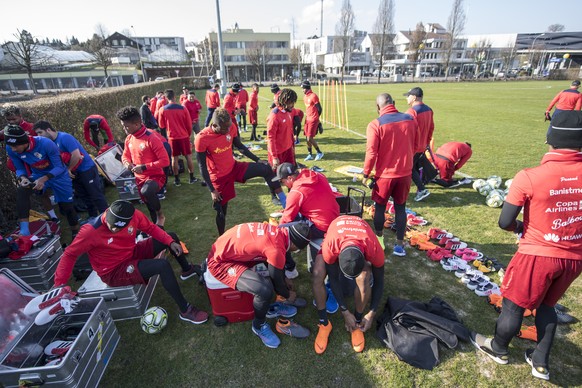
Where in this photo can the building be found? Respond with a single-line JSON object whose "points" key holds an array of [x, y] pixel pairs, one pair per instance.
{"points": [[150, 44]]}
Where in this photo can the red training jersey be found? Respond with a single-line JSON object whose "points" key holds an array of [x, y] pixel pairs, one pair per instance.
{"points": [[254, 101], [106, 250], [425, 118], [176, 119], [552, 210], [391, 142], [230, 103], [212, 99], [218, 149], [311, 196], [347, 231], [103, 125], [183, 97], [162, 101], [144, 147], [279, 132], [455, 152], [194, 108], [569, 99], [310, 100], [242, 98]]}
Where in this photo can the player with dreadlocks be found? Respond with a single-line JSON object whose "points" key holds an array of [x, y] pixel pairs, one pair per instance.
{"points": [[280, 141]]}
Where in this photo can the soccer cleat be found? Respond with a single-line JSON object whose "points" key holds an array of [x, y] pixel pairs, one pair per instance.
{"points": [[309, 157], [64, 305], [265, 333], [47, 299], [331, 305], [193, 180], [193, 315], [177, 182], [564, 318], [292, 329], [296, 141], [537, 371], [322, 337], [161, 196], [358, 340], [528, 332], [483, 344], [292, 274], [487, 289], [453, 264], [437, 234], [319, 156], [298, 302], [278, 309], [194, 269], [453, 245], [422, 194], [57, 348], [398, 250]]}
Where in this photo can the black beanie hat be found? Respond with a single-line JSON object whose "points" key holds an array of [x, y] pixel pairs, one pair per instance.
{"points": [[566, 130], [15, 135], [119, 213], [351, 261], [299, 234], [274, 88]]}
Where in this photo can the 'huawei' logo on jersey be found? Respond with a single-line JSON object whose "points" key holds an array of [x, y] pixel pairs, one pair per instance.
{"points": [[110, 240], [231, 272], [551, 237]]}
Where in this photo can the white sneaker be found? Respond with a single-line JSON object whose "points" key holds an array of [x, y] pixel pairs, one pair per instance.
{"points": [[309, 157], [422, 194], [291, 274], [319, 156]]}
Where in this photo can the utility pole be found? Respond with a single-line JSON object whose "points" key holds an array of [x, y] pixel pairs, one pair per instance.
{"points": [[220, 53], [143, 75], [321, 22]]}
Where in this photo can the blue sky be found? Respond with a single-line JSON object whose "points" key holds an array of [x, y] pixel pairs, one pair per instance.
{"points": [[192, 19]]}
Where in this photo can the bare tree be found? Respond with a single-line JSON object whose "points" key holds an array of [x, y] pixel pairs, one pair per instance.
{"points": [[455, 27], [556, 28], [101, 53], [383, 37], [416, 44], [258, 55], [296, 58], [508, 55], [344, 30], [25, 54]]}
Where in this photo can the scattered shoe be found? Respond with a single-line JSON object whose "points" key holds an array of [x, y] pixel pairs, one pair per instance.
{"points": [[292, 329], [45, 300], [437, 234], [358, 340], [298, 302], [483, 344], [58, 348], [398, 250], [454, 264], [322, 337], [460, 272], [296, 141], [278, 309], [193, 180], [422, 194], [487, 289], [537, 371], [193, 315], [319, 156], [317, 169], [309, 157], [265, 333], [189, 273], [564, 318], [528, 332], [64, 305]]}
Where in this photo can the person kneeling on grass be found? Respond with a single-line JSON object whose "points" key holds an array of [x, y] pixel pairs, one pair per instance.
{"points": [[119, 260], [232, 257], [450, 157], [351, 253], [549, 257]]}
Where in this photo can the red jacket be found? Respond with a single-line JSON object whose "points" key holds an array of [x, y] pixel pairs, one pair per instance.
{"points": [[103, 125], [279, 132], [230, 103], [391, 143], [176, 119], [106, 250], [194, 108], [311, 196], [456, 152], [254, 101], [425, 118], [242, 98], [144, 147], [569, 99], [311, 100], [212, 99]]}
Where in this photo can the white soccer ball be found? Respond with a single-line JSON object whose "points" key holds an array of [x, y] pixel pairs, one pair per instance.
{"points": [[477, 183], [508, 183], [494, 199], [154, 320], [485, 190], [494, 181]]}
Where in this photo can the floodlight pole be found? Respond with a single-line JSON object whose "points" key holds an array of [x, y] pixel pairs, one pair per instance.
{"points": [[532, 53], [139, 56], [220, 53]]}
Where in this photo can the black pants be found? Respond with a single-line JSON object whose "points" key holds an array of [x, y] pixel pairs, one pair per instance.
{"points": [[149, 192], [262, 289], [89, 189], [416, 171], [209, 116], [23, 206]]}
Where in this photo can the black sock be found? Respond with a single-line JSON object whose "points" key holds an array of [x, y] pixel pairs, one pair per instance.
{"points": [[191, 175], [177, 177], [257, 323], [358, 316], [322, 314], [317, 149], [309, 150]]}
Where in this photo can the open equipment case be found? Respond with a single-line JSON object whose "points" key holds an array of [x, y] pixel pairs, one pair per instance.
{"points": [[110, 164], [22, 359]]}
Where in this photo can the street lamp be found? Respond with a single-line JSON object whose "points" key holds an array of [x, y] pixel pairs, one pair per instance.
{"points": [[139, 55], [532, 52]]}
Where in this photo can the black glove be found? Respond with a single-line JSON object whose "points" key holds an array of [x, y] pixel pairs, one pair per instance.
{"points": [[320, 128], [548, 117]]}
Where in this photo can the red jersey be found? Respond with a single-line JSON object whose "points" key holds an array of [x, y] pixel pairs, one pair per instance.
{"points": [[162, 101], [311, 196], [425, 118], [144, 147], [252, 242], [103, 125], [106, 250], [347, 231], [569, 99], [153, 102], [254, 101], [242, 98], [194, 108], [176, 119], [391, 144], [310, 100], [218, 149], [455, 152], [212, 99], [279, 132], [230, 103], [552, 210], [183, 97]]}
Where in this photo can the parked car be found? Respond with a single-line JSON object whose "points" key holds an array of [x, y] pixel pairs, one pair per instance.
{"points": [[368, 74], [508, 74], [382, 74], [484, 74], [425, 74], [160, 78]]}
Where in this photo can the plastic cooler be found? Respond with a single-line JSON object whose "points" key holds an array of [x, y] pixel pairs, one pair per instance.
{"points": [[229, 304]]}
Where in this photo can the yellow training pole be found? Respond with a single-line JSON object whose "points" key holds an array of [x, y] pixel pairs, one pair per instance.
{"points": [[346, 106], [333, 102], [339, 114]]}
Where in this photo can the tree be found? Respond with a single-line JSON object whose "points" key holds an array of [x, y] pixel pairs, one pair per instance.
{"points": [[101, 53], [383, 37], [25, 54], [344, 30], [508, 55], [416, 44], [556, 28], [258, 55], [455, 27]]}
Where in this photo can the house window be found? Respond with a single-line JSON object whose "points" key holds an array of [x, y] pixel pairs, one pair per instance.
{"points": [[123, 42], [115, 43]]}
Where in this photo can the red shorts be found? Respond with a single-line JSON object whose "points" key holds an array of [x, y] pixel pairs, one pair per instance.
{"points": [[310, 128], [531, 280], [446, 168], [181, 147], [228, 272], [253, 117], [225, 184], [397, 188], [284, 157], [127, 273]]}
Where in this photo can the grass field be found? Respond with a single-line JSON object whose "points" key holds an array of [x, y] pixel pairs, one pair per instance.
{"points": [[504, 123]]}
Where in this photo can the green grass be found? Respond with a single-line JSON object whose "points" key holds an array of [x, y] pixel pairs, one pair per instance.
{"points": [[503, 121]]}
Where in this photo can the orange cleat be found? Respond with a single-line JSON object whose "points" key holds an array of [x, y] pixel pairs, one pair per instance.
{"points": [[322, 337], [358, 340]]}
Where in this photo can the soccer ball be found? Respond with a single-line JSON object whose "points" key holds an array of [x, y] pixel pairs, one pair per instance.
{"points": [[494, 181], [485, 189], [477, 183], [494, 199], [154, 320], [508, 183], [498, 192]]}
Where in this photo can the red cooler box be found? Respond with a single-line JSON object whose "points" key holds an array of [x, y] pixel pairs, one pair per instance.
{"points": [[229, 304]]}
